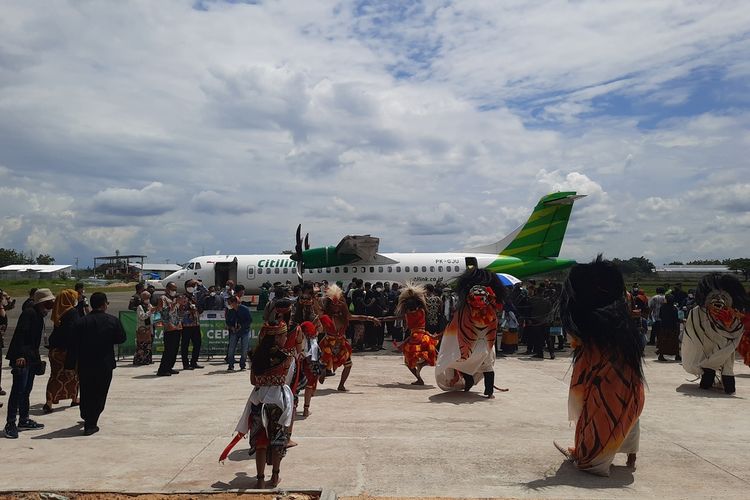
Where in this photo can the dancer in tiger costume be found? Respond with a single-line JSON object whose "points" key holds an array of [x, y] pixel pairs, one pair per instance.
{"points": [[606, 388], [420, 347], [714, 329], [467, 351]]}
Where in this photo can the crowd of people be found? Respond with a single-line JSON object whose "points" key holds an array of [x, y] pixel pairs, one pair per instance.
{"points": [[311, 330], [80, 352]]}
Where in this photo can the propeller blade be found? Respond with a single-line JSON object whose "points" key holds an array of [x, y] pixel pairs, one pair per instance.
{"points": [[298, 241], [307, 241]]}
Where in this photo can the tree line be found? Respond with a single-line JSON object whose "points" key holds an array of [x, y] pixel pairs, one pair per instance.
{"points": [[9, 256]]}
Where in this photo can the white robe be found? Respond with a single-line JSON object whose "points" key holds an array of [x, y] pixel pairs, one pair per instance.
{"points": [[707, 344], [279, 395], [449, 362]]}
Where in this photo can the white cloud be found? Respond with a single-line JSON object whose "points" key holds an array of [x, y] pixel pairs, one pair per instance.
{"points": [[136, 126]]}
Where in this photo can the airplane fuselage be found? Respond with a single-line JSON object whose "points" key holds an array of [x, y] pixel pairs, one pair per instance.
{"points": [[254, 270]]}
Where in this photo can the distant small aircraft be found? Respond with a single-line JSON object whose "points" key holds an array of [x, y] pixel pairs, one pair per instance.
{"points": [[533, 248]]}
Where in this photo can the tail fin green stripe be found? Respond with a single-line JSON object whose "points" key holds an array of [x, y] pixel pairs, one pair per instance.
{"points": [[543, 233]]}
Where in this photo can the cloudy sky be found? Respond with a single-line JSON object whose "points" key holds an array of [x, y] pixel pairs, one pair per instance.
{"points": [[182, 127]]}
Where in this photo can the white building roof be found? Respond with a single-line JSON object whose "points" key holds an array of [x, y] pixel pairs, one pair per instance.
{"points": [[37, 268], [688, 268]]}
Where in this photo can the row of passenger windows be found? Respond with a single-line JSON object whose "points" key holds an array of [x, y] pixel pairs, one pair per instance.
{"points": [[361, 269]]}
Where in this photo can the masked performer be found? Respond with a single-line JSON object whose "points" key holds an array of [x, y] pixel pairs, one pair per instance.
{"points": [[606, 389], [713, 330], [334, 306], [268, 412], [467, 351], [420, 347]]}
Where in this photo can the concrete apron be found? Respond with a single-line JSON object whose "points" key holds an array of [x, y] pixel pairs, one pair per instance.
{"points": [[386, 437]]}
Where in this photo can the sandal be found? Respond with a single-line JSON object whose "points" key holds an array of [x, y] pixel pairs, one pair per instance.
{"points": [[277, 481]]}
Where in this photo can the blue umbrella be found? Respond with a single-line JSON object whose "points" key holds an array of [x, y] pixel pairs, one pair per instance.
{"points": [[508, 279]]}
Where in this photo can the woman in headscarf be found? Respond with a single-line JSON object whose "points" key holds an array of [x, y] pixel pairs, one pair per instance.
{"points": [[606, 388], [62, 383]]}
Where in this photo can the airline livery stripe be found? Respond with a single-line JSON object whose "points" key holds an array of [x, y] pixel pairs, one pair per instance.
{"points": [[541, 213], [513, 251]]}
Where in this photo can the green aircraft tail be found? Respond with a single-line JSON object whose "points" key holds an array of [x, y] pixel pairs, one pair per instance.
{"points": [[543, 233]]}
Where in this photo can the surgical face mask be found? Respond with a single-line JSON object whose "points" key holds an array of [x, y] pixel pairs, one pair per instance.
{"points": [[172, 293], [190, 289], [226, 287], [213, 294]]}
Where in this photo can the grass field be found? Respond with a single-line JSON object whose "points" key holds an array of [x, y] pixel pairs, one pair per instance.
{"points": [[19, 289]]}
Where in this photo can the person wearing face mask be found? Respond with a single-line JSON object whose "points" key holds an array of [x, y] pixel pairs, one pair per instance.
{"points": [[191, 330], [227, 292], [144, 333], [26, 362], [238, 321], [170, 314]]}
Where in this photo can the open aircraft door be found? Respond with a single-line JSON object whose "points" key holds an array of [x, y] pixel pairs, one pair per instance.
{"points": [[225, 269]]}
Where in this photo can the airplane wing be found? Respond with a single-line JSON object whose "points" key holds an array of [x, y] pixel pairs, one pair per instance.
{"points": [[365, 247]]}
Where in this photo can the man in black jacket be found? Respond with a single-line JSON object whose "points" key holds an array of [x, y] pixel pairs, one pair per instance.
{"points": [[23, 354], [96, 335]]}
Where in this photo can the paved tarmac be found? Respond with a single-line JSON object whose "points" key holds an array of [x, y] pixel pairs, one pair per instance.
{"points": [[387, 437]]}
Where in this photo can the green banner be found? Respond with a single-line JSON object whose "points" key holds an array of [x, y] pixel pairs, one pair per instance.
{"points": [[214, 333]]}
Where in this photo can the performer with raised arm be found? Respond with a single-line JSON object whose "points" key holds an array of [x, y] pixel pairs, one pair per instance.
{"points": [[420, 347], [467, 351], [606, 388], [334, 306]]}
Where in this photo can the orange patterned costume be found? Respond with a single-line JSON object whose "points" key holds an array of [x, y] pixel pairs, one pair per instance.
{"points": [[605, 402], [420, 347], [335, 349], [606, 395]]}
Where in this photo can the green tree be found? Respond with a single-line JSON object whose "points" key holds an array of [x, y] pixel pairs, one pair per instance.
{"points": [[705, 262], [8, 257], [676, 263], [45, 259], [741, 265]]}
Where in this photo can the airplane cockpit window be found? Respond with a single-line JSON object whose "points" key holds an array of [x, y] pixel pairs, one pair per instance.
{"points": [[190, 266], [197, 265]]}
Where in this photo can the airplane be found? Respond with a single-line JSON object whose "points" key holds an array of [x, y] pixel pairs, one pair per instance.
{"points": [[531, 249]]}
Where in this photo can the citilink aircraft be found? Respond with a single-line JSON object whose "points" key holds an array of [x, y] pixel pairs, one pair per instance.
{"points": [[532, 249]]}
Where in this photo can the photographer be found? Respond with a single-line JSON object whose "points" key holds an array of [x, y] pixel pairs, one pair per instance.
{"points": [[26, 363]]}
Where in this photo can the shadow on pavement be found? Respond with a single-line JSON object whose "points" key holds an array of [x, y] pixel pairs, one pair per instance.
{"points": [[240, 455], [405, 385], [226, 372], [457, 398], [140, 377], [72, 431], [241, 481], [329, 390], [568, 475], [695, 391]]}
